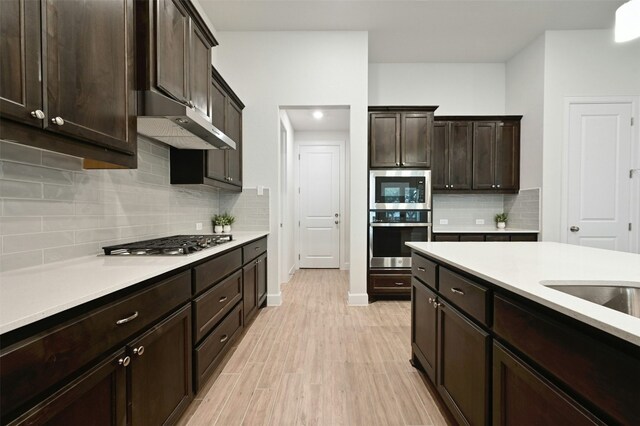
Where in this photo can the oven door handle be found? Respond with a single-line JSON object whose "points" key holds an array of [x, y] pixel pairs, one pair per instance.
{"points": [[399, 225]]}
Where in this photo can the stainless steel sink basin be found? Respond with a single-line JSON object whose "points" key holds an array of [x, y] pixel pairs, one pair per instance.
{"points": [[623, 297]]}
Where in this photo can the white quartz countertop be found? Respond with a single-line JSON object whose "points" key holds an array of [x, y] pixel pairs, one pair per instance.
{"points": [[480, 229], [30, 294], [520, 266]]}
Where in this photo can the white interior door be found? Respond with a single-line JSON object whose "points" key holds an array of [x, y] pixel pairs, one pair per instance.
{"points": [[599, 187], [319, 206]]}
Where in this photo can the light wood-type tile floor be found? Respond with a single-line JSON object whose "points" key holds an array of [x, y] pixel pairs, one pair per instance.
{"points": [[316, 361]]}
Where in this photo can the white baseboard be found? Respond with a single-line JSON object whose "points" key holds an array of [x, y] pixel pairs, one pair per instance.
{"points": [[345, 266], [274, 299], [359, 299]]}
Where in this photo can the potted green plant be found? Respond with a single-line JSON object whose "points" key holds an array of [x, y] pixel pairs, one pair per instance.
{"points": [[218, 223], [227, 222], [501, 220]]}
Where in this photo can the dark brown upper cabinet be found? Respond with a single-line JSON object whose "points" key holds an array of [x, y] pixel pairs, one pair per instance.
{"points": [[400, 137], [215, 167], [174, 52], [476, 154], [452, 153], [496, 155], [67, 68]]}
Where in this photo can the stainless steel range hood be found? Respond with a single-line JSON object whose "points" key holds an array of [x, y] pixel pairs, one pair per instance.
{"points": [[176, 124]]}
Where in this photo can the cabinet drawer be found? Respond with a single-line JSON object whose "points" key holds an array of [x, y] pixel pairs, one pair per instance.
{"points": [[524, 237], [472, 298], [424, 269], [493, 237], [446, 237], [472, 237], [602, 374], [254, 249], [217, 268], [209, 352], [391, 281], [213, 305], [34, 365]]}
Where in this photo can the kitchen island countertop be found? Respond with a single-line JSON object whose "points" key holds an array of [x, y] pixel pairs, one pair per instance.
{"points": [[31, 294], [520, 266]]}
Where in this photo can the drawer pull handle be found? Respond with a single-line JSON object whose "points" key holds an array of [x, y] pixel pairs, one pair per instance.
{"points": [[127, 319], [224, 338], [124, 361], [399, 283], [139, 350], [256, 248], [431, 300], [457, 291], [223, 299], [421, 269]]}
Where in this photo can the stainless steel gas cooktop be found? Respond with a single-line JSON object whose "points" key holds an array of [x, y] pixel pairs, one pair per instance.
{"points": [[168, 246]]}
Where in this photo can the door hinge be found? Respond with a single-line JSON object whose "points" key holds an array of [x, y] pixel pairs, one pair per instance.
{"points": [[298, 156], [298, 190], [298, 224], [298, 256], [630, 226], [632, 121]]}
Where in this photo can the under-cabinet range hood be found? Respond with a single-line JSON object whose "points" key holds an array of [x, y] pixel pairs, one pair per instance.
{"points": [[163, 119]]}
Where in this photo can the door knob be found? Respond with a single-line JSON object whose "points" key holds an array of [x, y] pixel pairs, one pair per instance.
{"points": [[574, 229], [336, 222], [58, 121], [38, 114], [336, 215]]}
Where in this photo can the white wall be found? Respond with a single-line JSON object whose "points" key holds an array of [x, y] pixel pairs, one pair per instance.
{"points": [[525, 96], [578, 63], [272, 69], [456, 88], [287, 234], [341, 139]]}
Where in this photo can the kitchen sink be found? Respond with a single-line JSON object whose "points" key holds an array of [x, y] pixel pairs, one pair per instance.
{"points": [[623, 297]]}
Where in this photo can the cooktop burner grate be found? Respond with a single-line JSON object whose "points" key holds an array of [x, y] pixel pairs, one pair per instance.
{"points": [[168, 246]]}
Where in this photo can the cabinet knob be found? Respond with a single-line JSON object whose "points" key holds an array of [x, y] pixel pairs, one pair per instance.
{"points": [[230, 179], [435, 304], [139, 350], [431, 300], [57, 121], [124, 361], [38, 114], [446, 186], [498, 186], [451, 186], [397, 163], [493, 186]]}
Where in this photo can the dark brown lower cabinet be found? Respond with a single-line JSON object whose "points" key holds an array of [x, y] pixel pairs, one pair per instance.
{"points": [[249, 290], [261, 275], [523, 397], [424, 318], [98, 397], [161, 371], [463, 373]]}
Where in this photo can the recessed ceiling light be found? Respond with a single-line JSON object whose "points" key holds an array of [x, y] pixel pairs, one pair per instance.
{"points": [[318, 115], [628, 21]]}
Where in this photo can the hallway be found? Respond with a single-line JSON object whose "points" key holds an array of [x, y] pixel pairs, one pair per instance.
{"points": [[316, 361]]}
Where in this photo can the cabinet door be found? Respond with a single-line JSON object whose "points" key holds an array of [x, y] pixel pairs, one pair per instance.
{"points": [[172, 49], [98, 397], [415, 144], [384, 142], [463, 366], [508, 155], [423, 326], [523, 397], [20, 58], [200, 71], [261, 275], [233, 129], [218, 106], [249, 290], [484, 156], [161, 371], [440, 160], [89, 71], [460, 159]]}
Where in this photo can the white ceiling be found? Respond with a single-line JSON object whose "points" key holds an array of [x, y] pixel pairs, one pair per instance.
{"points": [[420, 30], [333, 120]]}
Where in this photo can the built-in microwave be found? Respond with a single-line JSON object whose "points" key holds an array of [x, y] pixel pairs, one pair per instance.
{"points": [[400, 190]]}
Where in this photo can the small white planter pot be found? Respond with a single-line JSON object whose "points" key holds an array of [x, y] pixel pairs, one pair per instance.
{"points": [[226, 229], [501, 225], [217, 229]]}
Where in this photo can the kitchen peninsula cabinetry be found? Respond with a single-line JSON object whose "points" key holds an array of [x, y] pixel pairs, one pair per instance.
{"points": [[55, 92], [506, 360], [400, 137], [476, 154], [221, 168]]}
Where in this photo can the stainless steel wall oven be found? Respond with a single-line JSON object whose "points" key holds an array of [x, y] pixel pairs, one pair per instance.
{"points": [[399, 212]]}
